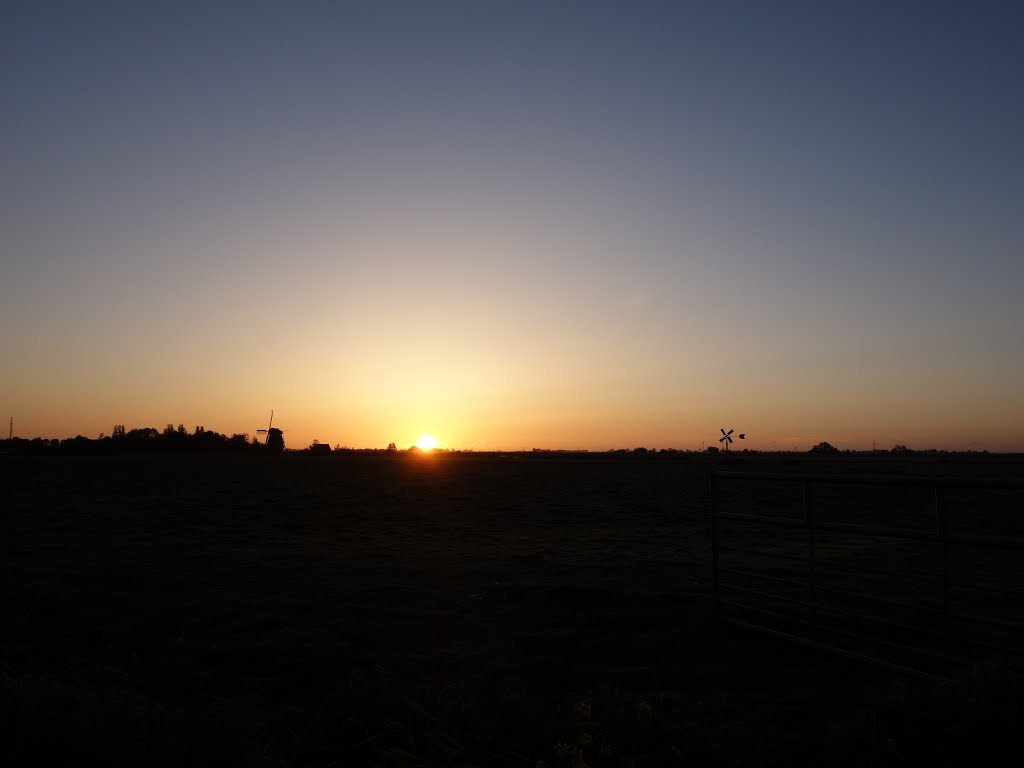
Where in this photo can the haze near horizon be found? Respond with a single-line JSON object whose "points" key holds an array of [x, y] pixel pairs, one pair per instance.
{"points": [[569, 225]]}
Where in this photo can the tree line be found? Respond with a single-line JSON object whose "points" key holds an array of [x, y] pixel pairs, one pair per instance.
{"points": [[170, 439]]}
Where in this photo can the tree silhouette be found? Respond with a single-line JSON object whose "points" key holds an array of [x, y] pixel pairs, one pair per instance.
{"points": [[824, 448]]}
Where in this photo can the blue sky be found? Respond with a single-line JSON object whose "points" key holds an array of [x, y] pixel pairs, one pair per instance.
{"points": [[516, 225]]}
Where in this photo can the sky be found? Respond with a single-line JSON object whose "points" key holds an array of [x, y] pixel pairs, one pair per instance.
{"points": [[516, 224]]}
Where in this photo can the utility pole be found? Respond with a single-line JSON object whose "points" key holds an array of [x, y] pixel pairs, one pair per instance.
{"points": [[10, 429]]}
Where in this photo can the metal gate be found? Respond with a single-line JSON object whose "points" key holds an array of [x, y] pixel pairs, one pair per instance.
{"points": [[918, 574]]}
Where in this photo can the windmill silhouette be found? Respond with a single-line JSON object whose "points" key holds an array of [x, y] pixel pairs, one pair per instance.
{"points": [[727, 437], [274, 439]]}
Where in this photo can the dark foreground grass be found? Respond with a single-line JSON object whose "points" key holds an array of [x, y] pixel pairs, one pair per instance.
{"points": [[433, 610]]}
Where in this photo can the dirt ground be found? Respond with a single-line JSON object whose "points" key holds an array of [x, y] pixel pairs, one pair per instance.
{"points": [[443, 609]]}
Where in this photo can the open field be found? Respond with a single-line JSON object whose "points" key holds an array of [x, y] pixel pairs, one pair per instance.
{"points": [[427, 610]]}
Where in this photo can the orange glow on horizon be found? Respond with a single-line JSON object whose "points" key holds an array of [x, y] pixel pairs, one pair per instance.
{"points": [[426, 443]]}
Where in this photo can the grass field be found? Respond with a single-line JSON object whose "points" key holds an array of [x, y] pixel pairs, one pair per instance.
{"points": [[440, 609]]}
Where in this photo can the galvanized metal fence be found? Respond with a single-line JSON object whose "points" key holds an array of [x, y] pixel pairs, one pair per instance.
{"points": [[918, 574]]}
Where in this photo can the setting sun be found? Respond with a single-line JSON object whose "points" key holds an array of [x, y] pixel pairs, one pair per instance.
{"points": [[426, 443]]}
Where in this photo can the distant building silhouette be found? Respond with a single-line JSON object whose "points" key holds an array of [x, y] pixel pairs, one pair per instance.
{"points": [[275, 440]]}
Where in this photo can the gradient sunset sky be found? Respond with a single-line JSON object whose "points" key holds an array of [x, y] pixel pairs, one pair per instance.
{"points": [[516, 225]]}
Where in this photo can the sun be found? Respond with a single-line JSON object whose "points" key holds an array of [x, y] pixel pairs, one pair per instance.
{"points": [[426, 443]]}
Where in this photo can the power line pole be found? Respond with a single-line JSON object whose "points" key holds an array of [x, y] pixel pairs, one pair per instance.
{"points": [[10, 429]]}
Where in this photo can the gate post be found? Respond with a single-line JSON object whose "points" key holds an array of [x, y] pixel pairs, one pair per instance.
{"points": [[810, 521], [713, 488]]}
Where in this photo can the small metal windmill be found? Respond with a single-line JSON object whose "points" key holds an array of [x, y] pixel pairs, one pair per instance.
{"points": [[727, 437]]}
